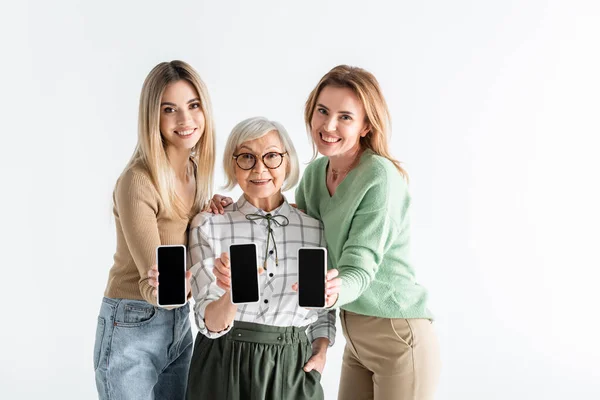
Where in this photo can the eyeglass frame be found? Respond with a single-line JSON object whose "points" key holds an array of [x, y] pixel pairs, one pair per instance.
{"points": [[262, 159]]}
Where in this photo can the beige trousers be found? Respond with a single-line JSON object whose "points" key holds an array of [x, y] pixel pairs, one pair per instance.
{"points": [[387, 359]]}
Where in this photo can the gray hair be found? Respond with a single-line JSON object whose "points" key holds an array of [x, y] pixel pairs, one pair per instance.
{"points": [[254, 128]]}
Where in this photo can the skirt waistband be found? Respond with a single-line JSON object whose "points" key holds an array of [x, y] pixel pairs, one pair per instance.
{"points": [[268, 334]]}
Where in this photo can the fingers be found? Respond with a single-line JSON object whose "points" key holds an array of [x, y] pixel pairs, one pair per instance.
{"points": [[223, 280], [215, 206], [222, 268], [333, 286], [310, 365], [225, 258], [333, 283], [218, 203], [222, 272], [330, 300], [188, 286], [332, 273], [315, 362], [153, 276], [295, 287], [153, 270], [153, 279], [212, 207], [219, 207]]}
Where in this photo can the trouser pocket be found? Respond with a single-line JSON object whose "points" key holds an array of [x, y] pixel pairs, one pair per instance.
{"points": [[99, 340]]}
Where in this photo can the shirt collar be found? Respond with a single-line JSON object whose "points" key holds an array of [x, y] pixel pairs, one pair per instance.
{"points": [[245, 207]]}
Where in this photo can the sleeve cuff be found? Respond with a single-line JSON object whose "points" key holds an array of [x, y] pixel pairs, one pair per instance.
{"points": [[199, 314], [324, 332]]}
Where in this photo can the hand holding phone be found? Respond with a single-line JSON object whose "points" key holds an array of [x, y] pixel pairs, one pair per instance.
{"points": [[171, 263]]}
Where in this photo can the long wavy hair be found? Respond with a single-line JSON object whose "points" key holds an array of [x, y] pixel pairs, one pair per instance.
{"points": [[150, 151], [366, 87]]}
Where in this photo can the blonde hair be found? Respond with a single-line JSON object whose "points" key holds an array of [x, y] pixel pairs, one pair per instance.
{"points": [[150, 151], [377, 115], [255, 128]]}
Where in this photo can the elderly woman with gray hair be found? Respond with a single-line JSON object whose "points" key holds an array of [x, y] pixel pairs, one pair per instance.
{"points": [[272, 349]]}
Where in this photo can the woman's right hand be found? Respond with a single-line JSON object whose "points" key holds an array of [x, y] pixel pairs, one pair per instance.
{"points": [[218, 203], [222, 271]]}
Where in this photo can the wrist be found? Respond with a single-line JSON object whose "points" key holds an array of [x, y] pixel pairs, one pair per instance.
{"points": [[219, 314], [320, 345]]}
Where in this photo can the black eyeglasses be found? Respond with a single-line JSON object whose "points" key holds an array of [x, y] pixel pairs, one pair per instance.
{"points": [[247, 161]]}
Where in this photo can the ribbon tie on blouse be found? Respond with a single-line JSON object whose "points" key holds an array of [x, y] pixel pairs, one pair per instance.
{"points": [[270, 220]]}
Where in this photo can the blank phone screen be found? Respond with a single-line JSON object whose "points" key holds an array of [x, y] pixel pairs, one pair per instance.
{"points": [[311, 279], [244, 274], [171, 275]]}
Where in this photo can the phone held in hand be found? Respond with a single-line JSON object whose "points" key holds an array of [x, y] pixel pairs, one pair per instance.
{"points": [[244, 273], [312, 271], [171, 263]]}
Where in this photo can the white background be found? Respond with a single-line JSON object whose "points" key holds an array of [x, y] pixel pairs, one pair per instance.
{"points": [[495, 109]]}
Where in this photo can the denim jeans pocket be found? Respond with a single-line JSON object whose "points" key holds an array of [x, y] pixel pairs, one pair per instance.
{"points": [[137, 314], [99, 340]]}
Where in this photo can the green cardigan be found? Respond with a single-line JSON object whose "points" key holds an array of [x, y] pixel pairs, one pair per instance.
{"points": [[367, 229]]}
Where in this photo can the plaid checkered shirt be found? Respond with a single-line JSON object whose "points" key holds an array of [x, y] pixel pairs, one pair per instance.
{"points": [[211, 234]]}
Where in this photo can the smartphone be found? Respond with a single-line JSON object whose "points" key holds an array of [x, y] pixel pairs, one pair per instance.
{"points": [[171, 275], [244, 273], [312, 270]]}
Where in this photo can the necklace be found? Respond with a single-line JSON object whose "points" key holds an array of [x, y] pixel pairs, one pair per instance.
{"points": [[335, 173]]}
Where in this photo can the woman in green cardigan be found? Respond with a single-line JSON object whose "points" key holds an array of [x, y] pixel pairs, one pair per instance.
{"points": [[359, 192]]}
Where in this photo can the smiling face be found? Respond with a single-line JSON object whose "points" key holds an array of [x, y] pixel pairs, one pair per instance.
{"points": [[338, 122], [261, 185], [181, 117]]}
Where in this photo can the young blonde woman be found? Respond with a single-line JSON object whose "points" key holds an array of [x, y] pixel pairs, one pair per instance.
{"points": [[143, 351], [359, 192]]}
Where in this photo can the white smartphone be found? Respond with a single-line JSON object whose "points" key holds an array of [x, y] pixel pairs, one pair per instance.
{"points": [[244, 273], [312, 272], [171, 262]]}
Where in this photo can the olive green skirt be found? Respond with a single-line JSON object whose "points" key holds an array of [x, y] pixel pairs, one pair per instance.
{"points": [[253, 362]]}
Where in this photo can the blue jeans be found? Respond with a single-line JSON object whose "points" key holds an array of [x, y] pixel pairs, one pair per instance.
{"points": [[142, 351]]}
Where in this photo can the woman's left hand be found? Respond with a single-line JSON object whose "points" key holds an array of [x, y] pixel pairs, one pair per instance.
{"points": [[218, 203], [318, 359]]}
